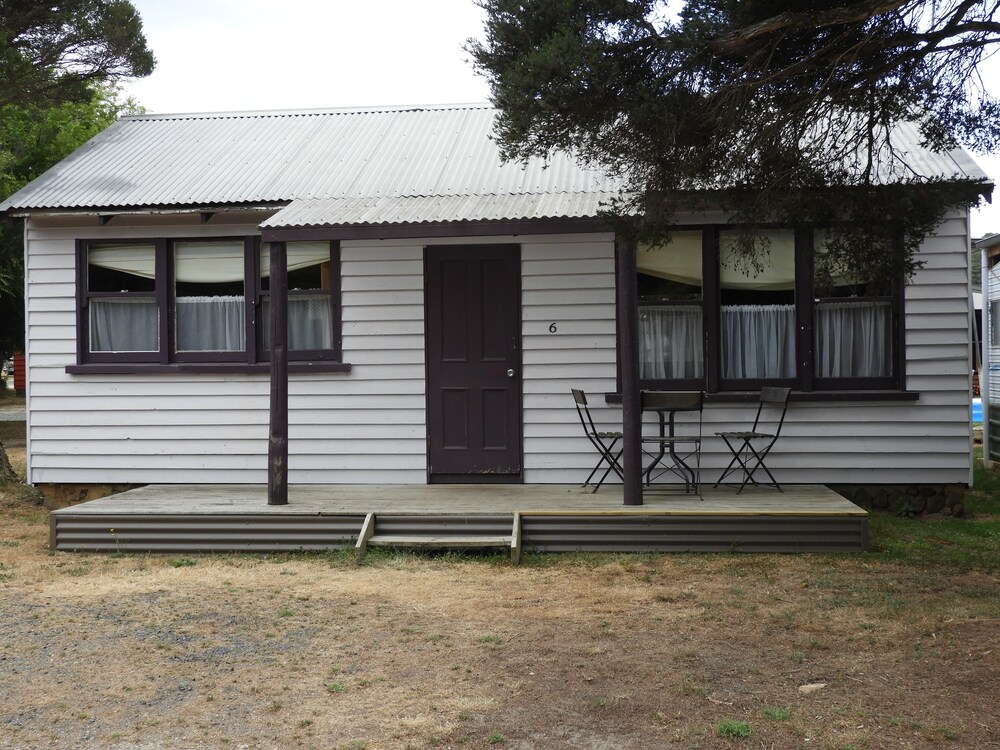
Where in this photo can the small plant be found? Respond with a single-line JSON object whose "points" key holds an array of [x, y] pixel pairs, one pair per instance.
{"points": [[286, 612], [354, 745], [776, 714], [496, 738], [733, 729], [182, 562], [599, 700], [305, 723], [493, 639], [688, 687], [118, 543], [335, 687]]}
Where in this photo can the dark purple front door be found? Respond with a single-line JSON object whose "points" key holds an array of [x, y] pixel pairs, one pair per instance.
{"points": [[473, 313]]}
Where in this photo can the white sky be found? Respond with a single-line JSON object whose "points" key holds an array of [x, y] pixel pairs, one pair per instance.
{"points": [[232, 55]]}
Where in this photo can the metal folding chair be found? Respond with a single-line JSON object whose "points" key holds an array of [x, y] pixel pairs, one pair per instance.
{"points": [[605, 442], [750, 448]]}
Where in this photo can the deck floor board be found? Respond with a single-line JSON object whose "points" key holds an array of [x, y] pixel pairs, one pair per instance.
{"points": [[539, 500]]}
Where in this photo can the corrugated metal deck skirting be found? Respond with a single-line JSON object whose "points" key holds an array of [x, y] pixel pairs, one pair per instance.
{"points": [[553, 519]]}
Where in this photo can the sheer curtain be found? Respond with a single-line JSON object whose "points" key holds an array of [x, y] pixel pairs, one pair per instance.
{"points": [[758, 341], [124, 325], [310, 322], [852, 340], [670, 342], [211, 324]]}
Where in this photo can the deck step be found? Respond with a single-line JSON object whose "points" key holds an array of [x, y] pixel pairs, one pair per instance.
{"points": [[368, 538], [403, 540]]}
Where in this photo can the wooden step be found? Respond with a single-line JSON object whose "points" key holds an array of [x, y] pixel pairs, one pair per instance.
{"points": [[404, 540], [368, 538]]}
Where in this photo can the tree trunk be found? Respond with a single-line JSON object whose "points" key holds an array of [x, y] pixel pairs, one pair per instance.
{"points": [[6, 470]]}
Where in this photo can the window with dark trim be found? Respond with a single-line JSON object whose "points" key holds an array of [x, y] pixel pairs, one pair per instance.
{"points": [[176, 301], [709, 319]]}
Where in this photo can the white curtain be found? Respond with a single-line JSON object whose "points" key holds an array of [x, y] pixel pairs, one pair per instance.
{"points": [[211, 324], [310, 322], [758, 341], [670, 342], [298, 255], [138, 260], [852, 340], [124, 325]]}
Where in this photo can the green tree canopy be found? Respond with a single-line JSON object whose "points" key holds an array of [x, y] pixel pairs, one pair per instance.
{"points": [[32, 139], [52, 52], [59, 63], [780, 112]]}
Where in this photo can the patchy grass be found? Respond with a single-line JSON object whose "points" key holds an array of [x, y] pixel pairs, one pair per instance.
{"points": [[12, 432], [565, 651], [963, 544], [733, 729]]}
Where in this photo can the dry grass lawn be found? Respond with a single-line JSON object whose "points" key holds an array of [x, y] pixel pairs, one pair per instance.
{"points": [[408, 651]]}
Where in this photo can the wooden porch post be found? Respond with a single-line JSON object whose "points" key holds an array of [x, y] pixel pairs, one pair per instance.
{"points": [[277, 448], [628, 351]]}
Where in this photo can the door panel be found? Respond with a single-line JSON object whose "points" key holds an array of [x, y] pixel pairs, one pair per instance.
{"points": [[473, 311]]}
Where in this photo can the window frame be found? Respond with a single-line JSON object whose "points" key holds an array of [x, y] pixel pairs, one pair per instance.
{"points": [[687, 384], [335, 353], [805, 379], [252, 358]]}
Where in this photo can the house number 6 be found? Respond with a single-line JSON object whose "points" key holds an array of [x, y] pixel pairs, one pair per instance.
{"points": [[552, 328]]}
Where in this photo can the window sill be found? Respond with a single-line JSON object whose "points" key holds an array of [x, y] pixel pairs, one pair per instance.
{"points": [[203, 368], [726, 397]]}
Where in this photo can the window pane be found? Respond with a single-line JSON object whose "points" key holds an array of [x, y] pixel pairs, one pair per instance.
{"points": [[758, 308], [310, 322], [308, 265], [670, 342], [673, 271], [852, 332], [995, 323], [832, 280], [853, 339], [209, 295], [670, 327], [121, 268], [123, 324]]}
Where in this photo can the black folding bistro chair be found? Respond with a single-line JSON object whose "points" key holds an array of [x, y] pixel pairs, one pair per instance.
{"points": [[674, 453], [605, 442], [750, 448]]}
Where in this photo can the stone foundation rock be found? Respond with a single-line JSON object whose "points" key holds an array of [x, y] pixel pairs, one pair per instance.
{"points": [[906, 499]]}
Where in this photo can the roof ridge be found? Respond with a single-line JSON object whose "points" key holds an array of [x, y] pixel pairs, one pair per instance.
{"points": [[306, 112]]}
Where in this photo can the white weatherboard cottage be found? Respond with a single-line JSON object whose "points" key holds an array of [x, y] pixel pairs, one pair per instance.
{"points": [[412, 251]]}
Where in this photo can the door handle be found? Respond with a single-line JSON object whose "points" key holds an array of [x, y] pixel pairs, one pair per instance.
{"points": [[510, 372]]}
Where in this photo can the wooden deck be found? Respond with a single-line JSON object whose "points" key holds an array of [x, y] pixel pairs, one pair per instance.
{"points": [[225, 518]]}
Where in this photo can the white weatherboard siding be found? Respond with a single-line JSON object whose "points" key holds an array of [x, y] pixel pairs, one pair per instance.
{"points": [[992, 294], [368, 426]]}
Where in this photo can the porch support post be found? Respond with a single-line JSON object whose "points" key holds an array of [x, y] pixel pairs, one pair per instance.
{"points": [[277, 447], [628, 353]]}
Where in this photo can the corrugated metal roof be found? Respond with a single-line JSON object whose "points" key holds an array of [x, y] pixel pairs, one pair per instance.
{"points": [[184, 160], [316, 212], [337, 165]]}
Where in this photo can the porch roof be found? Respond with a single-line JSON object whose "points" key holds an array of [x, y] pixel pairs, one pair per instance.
{"points": [[423, 209]]}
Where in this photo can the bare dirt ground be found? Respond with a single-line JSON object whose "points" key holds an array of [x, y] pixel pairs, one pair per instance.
{"points": [[598, 652]]}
